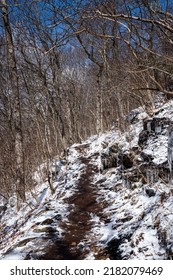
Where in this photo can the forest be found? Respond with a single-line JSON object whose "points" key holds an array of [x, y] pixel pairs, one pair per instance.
{"points": [[72, 69]]}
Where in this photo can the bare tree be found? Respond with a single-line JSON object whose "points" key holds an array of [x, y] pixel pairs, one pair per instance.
{"points": [[16, 110]]}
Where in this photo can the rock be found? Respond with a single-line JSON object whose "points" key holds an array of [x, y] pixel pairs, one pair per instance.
{"points": [[146, 157], [47, 222], [109, 157], [113, 149], [113, 249], [125, 160], [131, 117], [143, 137], [24, 242], [40, 212], [150, 192], [3, 208], [131, 177], [104, 144], [12, 201], [151, 172], [127, 183], [155, 125], [126, 219], [45, 229], [57, 217], [27, 257], [163, 172], [108, 160]]}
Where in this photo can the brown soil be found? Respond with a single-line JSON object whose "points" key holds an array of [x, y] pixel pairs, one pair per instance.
{"points": [[75, 244]]}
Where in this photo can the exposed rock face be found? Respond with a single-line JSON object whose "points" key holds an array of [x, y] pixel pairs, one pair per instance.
{"points": [[152, 126], [155, 125], [113, 157], [109, 157], [125, 160]]}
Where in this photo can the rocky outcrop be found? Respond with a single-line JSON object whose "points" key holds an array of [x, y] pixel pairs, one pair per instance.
{"points": [[109, 156]]}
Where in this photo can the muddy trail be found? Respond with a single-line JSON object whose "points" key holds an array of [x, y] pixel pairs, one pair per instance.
{"points": [[75, 244]]}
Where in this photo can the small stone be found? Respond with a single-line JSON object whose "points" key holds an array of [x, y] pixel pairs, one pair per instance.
{"points": [[150, 192]]}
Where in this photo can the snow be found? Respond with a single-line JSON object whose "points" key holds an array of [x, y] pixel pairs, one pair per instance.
{"points": [[143, 224], [158, 149]]}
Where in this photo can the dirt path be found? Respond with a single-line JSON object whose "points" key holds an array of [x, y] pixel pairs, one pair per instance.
{"points": [[74, 244]]}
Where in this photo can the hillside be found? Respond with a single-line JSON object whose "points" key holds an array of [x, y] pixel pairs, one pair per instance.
{"points": [[113, 199]]}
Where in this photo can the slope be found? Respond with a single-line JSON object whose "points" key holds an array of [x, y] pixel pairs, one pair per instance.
{"points": [[113, 199]]}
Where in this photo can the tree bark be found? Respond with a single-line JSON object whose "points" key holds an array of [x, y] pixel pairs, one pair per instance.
{"points": [[16, 114], [99, 102]]}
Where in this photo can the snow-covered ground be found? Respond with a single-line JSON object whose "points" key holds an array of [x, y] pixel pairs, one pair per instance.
{"points": [[135, 216]]}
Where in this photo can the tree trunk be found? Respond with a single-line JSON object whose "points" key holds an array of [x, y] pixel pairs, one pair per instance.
{"points": [[16, 112], [99, 103]]}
